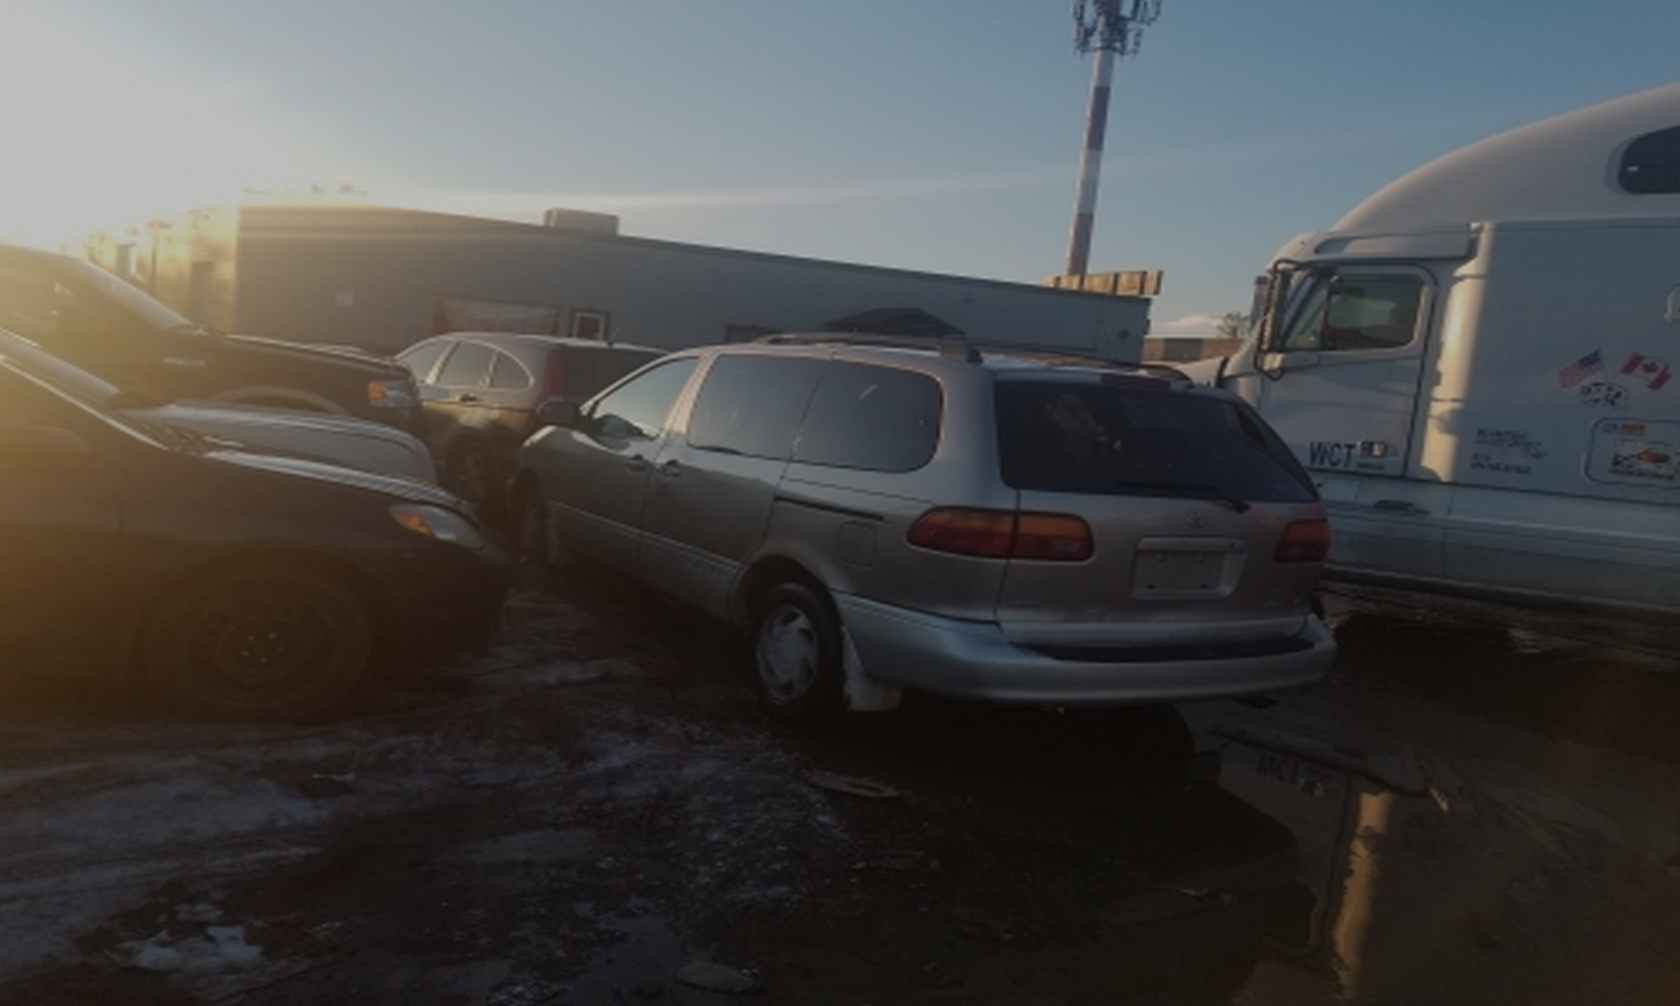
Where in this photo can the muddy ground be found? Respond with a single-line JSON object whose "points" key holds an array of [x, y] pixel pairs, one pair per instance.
{"points": [[597, 811]]}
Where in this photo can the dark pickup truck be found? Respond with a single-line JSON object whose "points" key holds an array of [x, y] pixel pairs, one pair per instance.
{"points": [[120, 333]]}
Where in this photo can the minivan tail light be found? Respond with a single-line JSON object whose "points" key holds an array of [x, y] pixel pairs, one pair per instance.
{"points": [[1001, 534], [1052, 536], [1304, 541], [986, 533]]}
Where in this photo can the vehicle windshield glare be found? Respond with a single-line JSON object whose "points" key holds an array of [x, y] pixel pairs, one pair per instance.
{"points": [[130, 298], [1068, 437]]}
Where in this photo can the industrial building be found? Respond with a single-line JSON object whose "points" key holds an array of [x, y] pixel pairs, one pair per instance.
{"points": [[382, 279], [1184, 349]]}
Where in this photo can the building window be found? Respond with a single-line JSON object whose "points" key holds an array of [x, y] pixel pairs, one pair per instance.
{"points": [[591, 325], [462, 314]]}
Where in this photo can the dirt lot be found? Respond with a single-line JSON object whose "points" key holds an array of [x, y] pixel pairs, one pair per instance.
{"points": [[597, 813]]}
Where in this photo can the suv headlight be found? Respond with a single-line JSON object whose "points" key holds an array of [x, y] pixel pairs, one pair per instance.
{"points": [[438, 523], [393, 394]]}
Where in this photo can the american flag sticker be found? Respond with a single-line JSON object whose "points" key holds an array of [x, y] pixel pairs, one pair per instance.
{"points": [[1655, 373], [1581, 369]]}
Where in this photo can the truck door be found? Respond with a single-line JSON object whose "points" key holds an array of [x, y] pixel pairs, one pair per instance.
{"points": [[1344, 374]]}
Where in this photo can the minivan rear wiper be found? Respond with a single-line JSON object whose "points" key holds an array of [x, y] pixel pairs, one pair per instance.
{"points": [[1208, 493]]}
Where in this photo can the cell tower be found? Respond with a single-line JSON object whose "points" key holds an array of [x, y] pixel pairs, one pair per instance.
{"points": [[1112, 29]]}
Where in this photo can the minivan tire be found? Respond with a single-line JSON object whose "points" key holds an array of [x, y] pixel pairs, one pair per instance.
{"points": [[797, 658], [261, 642]]}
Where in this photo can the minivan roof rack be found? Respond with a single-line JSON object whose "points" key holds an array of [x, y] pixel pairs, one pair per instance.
{"points": [[951, 346], [957, 347], [1051, 353]]}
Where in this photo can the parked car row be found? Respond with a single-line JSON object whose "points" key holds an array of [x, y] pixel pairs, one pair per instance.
{"points": [[877, 513], [1007, 526]]}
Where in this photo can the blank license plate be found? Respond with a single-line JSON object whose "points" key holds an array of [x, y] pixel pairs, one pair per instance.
{"points": [[1178, 573]]}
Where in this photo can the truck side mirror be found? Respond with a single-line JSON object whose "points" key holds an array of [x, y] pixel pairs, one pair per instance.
{"points": [[560, 412]]}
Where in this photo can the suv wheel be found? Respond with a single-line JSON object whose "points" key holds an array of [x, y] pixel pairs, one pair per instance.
{"points": [[261, 642], [530, 538], [470, 476], [796, 654]]}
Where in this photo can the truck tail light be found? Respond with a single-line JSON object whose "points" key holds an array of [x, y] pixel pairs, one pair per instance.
{"points": [[554, 379], [1001, 534], [1304, 541]]}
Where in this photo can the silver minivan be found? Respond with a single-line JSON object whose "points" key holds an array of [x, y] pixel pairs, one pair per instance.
{"points": [[1006, 526]]}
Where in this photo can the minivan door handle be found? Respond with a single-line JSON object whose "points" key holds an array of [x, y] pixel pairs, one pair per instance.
{"points": [[466, 397], [637, 463]]}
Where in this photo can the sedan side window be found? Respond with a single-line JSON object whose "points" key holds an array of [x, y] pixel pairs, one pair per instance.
{"points": [[467, 367], [421, 360], [509, 374], [639, 409]]}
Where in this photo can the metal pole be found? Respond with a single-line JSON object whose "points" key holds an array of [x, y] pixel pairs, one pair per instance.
{"points": [[1090, 164]]}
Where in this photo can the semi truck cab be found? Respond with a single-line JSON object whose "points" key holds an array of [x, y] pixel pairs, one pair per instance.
{"points": [[1477, 365]]}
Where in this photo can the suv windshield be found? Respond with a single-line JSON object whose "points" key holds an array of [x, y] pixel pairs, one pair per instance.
{"points": [[1140, 438], [104, 286]]}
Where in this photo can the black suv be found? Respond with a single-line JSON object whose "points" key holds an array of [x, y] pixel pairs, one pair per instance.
{"points": [[110, 328]]}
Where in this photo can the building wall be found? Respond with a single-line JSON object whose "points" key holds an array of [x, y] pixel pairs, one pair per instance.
{"points": [[377, 282], [1172, 350]]}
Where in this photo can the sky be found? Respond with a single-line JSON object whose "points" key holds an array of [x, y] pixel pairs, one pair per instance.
{"points": [[941, 135]]}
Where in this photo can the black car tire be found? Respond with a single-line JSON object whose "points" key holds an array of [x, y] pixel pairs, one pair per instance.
{"points": [[261, 642], [797, 657]]}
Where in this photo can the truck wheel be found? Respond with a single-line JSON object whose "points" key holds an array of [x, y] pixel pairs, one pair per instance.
{"points": [[800, 671], [261, 643]]}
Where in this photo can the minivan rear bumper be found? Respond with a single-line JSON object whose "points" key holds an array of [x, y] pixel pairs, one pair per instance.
{"points": [[975, 659]]}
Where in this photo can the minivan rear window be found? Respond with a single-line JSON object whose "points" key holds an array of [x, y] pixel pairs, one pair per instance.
{"points": [[1140, 439], [875, 418]]}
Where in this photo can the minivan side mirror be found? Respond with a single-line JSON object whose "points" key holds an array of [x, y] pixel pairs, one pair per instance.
{"points": [[560, 412], [42, 445]]}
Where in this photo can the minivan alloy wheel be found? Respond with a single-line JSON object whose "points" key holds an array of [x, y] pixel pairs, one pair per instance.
{"points": [[788, 652]]}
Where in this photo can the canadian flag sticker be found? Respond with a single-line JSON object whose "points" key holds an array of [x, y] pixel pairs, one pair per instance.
{"points": [[1655, 373]]}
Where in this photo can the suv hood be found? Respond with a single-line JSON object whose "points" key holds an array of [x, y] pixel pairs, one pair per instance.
{"points": [[231, 421], [340, 355], [336, 440], [407, 490]]}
